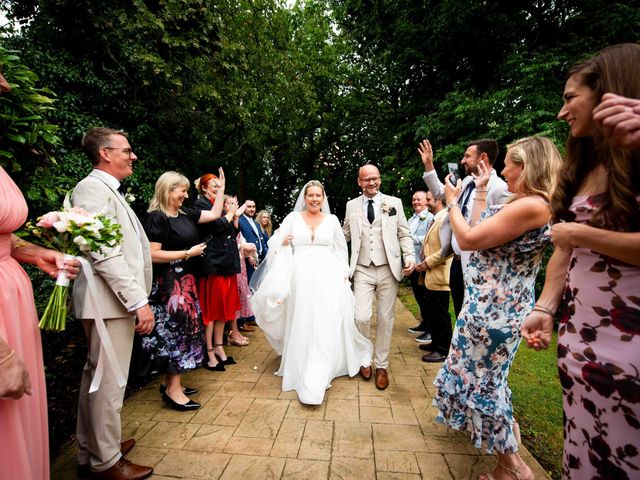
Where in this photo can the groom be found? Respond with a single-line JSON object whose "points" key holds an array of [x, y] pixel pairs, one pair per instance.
{"points": [[377, 228]]}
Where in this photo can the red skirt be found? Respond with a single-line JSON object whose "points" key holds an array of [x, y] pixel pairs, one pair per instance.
{"points": [[219, 299]]}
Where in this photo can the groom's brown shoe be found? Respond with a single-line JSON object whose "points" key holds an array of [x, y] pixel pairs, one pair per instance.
{"points": [[366, 372], [382, 381]]}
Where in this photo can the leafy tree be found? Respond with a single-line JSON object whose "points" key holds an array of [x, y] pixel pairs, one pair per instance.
{"points": [[27, 139]]}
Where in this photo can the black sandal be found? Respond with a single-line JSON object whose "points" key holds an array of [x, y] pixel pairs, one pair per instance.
{"points": [[227, 361], [219, 367]]}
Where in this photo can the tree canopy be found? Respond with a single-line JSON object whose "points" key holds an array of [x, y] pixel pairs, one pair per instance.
{"points": [[278, 94]]}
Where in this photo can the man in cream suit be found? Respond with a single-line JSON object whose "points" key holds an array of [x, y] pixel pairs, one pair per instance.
{"points": [[381, 244], [483, 150], [122, 278]]}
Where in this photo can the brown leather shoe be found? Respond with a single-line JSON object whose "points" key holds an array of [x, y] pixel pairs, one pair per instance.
{"points": [[246, 328], [123, 470], [125, 447], [366, 372], [382, 381]]}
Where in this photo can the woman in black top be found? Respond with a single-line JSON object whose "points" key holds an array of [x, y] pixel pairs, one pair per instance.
{"points": [[177, 338], [218, 285]]}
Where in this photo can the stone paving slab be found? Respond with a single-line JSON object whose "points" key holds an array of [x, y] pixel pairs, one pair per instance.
{"points": [[249, 429]]}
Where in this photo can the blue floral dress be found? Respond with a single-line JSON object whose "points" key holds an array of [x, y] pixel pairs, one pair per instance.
{"points": [[176, 344], [472, 392]]}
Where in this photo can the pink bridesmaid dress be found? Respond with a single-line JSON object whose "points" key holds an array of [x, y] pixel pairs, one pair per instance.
{"points": [[24, 438]]}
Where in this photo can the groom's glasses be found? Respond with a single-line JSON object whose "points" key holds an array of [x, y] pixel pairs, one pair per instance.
{"points": [[369, 179]]}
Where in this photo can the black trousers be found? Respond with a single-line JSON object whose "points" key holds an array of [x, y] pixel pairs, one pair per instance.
{"points": [[439, 320], [456, 282], [420, 292]]}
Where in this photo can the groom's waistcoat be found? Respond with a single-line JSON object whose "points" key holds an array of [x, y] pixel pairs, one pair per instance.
{"points": [[371, 244]]}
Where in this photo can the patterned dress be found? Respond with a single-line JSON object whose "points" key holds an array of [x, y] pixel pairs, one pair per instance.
{"points": [[599, 363], [176, 343], [472, 392]]}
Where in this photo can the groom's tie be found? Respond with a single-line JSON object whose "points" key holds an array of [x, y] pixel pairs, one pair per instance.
{"points": [[370, 215]]}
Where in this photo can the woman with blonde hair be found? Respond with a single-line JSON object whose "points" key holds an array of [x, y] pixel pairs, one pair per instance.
{"points": [[507, 242], [177, 337], [265, 230], [594, 274]]}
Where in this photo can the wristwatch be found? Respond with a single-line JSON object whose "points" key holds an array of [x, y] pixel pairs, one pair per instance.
{"points": [[451, 205]]}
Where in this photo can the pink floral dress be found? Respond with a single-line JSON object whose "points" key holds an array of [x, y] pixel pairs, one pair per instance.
{"points": [[599, 363]]}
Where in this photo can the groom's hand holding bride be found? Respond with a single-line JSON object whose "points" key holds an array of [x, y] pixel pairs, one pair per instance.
{"points": [[408, 268]]}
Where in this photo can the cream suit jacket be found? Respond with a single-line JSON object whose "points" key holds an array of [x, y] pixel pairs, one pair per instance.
{"points": [[396, 237], [123, 275]]}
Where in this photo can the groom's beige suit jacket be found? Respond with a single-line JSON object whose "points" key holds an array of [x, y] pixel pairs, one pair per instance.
{"points": [[396, 237]]}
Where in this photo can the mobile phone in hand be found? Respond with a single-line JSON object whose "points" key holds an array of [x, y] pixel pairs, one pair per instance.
{"points": [[455, 173]]}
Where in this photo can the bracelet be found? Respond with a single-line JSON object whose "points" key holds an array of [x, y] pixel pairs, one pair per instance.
{"points": [[451, 205], [186, 254], [478, 198], [482, 191], [543, 309], [5, 359]]}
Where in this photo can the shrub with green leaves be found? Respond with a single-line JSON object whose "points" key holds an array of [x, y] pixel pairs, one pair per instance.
{"points": [[27, 139]]}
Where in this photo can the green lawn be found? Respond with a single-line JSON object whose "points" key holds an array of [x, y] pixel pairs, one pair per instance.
{"points": [[537, 398]]}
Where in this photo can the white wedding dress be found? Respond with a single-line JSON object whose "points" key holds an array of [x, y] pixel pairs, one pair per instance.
{"points": [[305, 305]]}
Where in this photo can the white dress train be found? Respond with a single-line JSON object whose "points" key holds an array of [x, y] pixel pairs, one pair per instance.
{"points": [[305, 306]]}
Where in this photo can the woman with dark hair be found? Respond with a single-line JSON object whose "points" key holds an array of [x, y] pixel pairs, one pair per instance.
{"points": [[507, 244], [177, 337], [218, 283], [594, 275]]}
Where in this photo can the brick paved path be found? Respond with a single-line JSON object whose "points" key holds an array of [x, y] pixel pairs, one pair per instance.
{"points": [[249, 429]]}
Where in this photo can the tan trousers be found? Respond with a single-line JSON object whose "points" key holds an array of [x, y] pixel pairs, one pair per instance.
{"points": [[98, 429], [379, 282]]}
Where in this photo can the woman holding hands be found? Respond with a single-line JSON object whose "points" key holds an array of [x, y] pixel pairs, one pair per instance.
{"points": [[507, 244]]}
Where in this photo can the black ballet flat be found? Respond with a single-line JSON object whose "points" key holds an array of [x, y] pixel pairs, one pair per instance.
{"points": [[186, 390], [228, 361], [218, 368], [181, 407]]}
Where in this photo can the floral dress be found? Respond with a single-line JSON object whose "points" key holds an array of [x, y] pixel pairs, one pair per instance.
{"points": [[599, 362], [176, 343], [472, 392]]}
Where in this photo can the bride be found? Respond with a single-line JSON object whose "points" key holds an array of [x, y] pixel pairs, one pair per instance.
{"points": [[303, 300]]}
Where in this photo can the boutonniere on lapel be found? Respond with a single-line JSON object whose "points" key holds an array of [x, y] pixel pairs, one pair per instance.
{"points": [[422, 216], [388, 209], [130, 198]]}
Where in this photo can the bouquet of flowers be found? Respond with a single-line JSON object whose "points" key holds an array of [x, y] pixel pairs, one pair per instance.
{"points": [[71, 231]]}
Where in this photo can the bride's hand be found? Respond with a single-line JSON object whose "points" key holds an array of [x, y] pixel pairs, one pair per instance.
{"points": [[287, 240]]}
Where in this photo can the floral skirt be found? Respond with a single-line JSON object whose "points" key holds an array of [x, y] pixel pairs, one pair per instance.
{"points": [[176, 344]]}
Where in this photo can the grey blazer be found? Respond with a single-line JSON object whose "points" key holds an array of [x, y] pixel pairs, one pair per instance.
{"points": [[123, 275], [396, 237], [497, 194]]}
